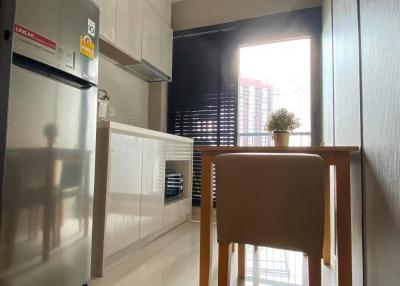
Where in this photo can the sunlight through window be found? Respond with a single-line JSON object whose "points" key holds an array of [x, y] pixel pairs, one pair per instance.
{"points": [[274, 76]]}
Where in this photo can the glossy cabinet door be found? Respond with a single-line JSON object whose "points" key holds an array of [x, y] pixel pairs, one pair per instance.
{"points": [[108, 12], [157, 39], [151, 40], [129, 27], [153, 180], [164, 9], [124, 192], [47, 197], [166, 48], [176, 211]]}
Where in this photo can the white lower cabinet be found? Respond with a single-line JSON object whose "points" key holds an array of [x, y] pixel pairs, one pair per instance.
{"points": [[153, 181], [171, 213], [129, 205], [185, 207], [124, 192], [177, 210]]}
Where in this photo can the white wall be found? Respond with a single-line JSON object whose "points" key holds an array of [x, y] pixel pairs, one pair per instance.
{"points": [[129, 94], [197, 13]]}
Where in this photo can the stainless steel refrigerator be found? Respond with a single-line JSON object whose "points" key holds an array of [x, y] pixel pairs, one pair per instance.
{"points": [[48, 180]]}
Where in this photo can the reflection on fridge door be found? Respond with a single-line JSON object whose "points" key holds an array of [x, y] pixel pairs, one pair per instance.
{"points": [[47, 194]]}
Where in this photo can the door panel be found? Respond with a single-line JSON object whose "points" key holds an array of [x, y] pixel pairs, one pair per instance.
{"points": [[152, 202], [108, 14], [166, 44], [129, 27], [46, 211], [151, 35], [123, 196]]}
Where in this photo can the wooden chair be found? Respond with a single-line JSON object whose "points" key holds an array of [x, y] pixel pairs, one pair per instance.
{"points": [[274, 200]]}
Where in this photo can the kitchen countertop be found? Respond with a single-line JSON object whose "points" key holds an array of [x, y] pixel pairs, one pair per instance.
{"points": [[115, 126]]}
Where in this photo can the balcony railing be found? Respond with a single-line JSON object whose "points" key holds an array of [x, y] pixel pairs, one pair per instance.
{"points": [[265, 139]]}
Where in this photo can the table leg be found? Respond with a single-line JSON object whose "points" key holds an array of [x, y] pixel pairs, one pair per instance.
{"points": [[241, 261], [206, 220], [314, 271], [327, 224], [343, 220]]}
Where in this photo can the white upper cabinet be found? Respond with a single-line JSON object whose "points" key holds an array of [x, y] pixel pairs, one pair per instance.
{"points": [[164, 9], [166, 49], [128, 32], [108, 13], [140, 29], [157, 39], [151, 40]]}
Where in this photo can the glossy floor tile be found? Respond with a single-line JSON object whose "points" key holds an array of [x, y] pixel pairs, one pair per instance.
{"points": [[173, 260]]}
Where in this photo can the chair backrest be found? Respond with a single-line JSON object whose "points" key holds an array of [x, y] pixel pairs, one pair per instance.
{"points": [[274, 200]]}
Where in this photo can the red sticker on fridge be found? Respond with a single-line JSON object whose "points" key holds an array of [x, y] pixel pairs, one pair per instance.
{"points": [[35, 37]]}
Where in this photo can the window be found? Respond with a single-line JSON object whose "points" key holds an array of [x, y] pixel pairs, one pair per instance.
{"points": [[274, 76], [203, 97]]}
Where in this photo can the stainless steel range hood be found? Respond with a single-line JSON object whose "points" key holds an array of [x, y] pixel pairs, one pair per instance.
{"points": [[148, 72], [142, 68]]}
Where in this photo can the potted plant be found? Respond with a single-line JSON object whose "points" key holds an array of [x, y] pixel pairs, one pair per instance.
{"points": [[281, 123]]}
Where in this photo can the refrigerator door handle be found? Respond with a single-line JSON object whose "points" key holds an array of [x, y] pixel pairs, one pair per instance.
{"points": [[51, 72]]}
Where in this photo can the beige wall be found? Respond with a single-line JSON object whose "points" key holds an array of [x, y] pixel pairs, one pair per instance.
{"points": [[158, 106], [197, 13], [129, 94], [380, 61], [365, 38]]}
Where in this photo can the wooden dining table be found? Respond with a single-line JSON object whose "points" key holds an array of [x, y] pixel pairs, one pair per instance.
{"points": [[338, 156]]}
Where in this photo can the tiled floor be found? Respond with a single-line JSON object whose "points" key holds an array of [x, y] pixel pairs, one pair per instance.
{"points": [[173, 260]]}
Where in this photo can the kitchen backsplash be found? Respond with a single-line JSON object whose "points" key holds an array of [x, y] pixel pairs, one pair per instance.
{"points": [[129, 94]]}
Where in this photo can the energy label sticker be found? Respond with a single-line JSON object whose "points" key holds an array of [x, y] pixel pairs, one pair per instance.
{"points": [[87, 46]]}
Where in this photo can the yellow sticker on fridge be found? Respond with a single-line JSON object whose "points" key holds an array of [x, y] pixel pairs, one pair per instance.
{"points": [[87, 46]]}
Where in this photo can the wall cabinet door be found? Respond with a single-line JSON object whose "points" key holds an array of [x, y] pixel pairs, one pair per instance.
{"points": [[166, 48], [128, 35], [153, 181], [151, 35], [108, 12], [124, 192], [164, 9], [157, 39]]}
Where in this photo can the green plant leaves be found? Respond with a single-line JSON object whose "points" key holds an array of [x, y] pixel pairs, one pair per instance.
{"points": [[282, 120]]}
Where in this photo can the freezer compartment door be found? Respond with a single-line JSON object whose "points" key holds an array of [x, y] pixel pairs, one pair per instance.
{"points": [[59, 33], [46, 209]]}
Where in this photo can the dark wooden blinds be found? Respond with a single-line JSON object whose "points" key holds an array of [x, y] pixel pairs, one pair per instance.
{"points": [[202, 101]]}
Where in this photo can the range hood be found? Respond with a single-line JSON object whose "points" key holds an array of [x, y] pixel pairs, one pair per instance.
{"points": [[142, 69], [147, 72]]}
